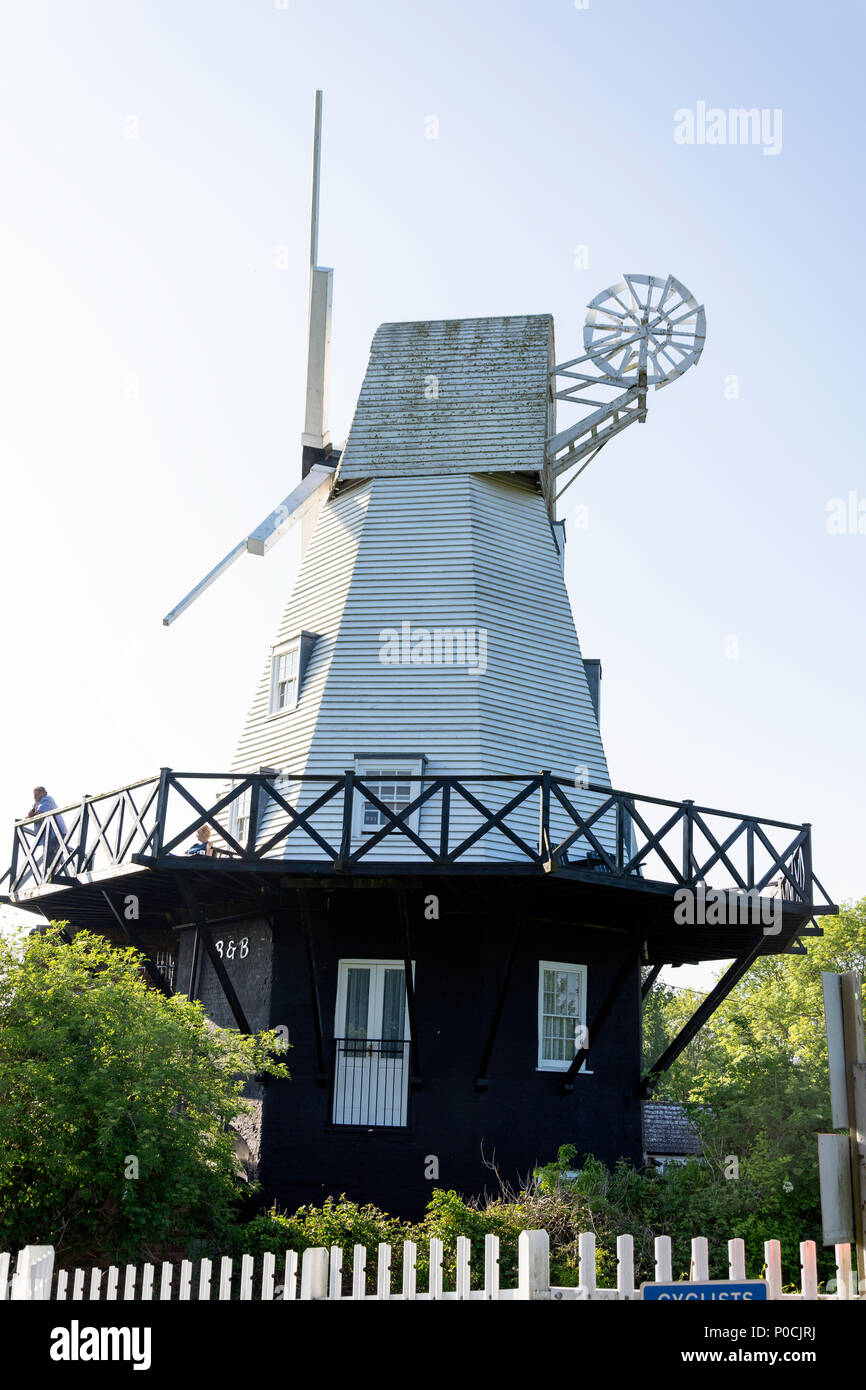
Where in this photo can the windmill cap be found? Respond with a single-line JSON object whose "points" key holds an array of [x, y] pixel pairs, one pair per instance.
{"points": [[452, 396]]}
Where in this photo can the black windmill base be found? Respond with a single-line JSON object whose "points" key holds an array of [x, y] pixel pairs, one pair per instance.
{"points": [[424, 1049]]}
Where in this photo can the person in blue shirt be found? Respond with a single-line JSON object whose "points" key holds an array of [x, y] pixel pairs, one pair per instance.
{"points": [[42, 802], [203, 845]]}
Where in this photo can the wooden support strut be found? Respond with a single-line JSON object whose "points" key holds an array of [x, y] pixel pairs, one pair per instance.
{"points": [[716, 996], [650, 981], [220, 971], [855, 1083], [630, 963], [414, 1055], [134, 939], [481, 1081], [194, 965], [315, 1000]]}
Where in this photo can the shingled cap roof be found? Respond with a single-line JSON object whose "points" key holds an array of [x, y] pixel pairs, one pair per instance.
{"points": [[667, 1129], [453, 396]]}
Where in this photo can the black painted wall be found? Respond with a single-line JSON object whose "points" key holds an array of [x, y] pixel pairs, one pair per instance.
{"points": [[517, 1122]]}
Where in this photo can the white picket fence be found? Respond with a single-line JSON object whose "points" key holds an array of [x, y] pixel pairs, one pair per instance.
{"points": [[320, 1274]]}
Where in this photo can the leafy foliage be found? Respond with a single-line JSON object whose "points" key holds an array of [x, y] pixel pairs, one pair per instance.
{"points": [[96, 1070], [755, 1081]]}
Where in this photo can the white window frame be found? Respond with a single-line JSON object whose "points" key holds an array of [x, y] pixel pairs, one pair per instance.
{"points": [[403, 764], [344, 965], [239, 825], [547, 1064], [284, 649]]}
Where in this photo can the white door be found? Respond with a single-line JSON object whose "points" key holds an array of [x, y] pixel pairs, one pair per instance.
{"points": [[371, 1028]]}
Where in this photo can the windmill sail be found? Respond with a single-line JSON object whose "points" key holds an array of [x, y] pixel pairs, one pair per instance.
{"points": [[316, 457]]}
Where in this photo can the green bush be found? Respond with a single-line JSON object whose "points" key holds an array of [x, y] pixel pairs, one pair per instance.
{"points": [[694, 1199], [115, 1105]]}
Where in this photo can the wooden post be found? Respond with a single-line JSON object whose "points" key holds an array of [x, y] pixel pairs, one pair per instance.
{"points": [[688, 840], [33, 1272], [533, 1264], [314, 1273], [253, 828], [625, 1267], [773, 1257], [463, 1284], [809, 1270], [410, 1271], [81, 856], [348, 808], [335, 1272], [434, 1286], [161, 804], [491, 1267], [737, 1258], [807, 864], [663, 1270], [383, 1271], [544, 823], [445, 822], [359, 1267], [855, 1078], [700, 1270], [586, 1263], [620, 836], [844, 1273]]}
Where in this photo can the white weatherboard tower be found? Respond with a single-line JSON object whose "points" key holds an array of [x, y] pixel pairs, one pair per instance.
{"points": [[429, 630]]}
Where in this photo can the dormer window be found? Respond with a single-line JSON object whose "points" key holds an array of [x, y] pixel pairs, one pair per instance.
{"points": [[284, 679], [288, 662]]}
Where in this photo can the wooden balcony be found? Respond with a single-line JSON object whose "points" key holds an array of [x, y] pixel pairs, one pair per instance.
{"points": [[631, 850]]}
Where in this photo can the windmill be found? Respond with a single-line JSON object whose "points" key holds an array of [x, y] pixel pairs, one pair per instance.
{"points": [[376, 644], [423, 873]]}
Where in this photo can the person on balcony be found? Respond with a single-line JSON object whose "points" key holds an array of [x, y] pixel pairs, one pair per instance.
{"points": [[204, 845], [42, 803]]}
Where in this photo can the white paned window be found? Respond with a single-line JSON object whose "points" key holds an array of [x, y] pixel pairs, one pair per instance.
{"points": [[372, 1045], [285, 669], [239, 823], [561, 1014], [389, 783]]}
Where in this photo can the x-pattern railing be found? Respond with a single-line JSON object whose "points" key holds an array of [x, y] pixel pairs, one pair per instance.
{"points": [[304, 818]]}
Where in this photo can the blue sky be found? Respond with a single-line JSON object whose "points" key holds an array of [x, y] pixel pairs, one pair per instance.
{"points": [[154, 186]]}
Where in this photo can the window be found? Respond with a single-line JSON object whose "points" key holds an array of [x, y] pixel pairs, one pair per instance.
{"points": [[388, 780], [288, 664], [239, 820], [561, 1014], [371, 1038], [284, 678]]}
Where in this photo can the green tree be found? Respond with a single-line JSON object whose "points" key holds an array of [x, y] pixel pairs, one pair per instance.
{"points": [[756, 1082], [115, 1104]]}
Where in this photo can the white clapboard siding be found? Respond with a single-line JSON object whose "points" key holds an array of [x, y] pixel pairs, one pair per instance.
{"points": [[315, 606], [435, 551], [359, 1275]]}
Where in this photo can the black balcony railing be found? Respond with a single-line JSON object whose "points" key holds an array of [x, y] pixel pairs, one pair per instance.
{"points": [[371, 1082], [543, 822]]}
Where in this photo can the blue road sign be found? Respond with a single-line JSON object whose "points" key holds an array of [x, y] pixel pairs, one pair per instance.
{"points": [[719, 1290]]}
